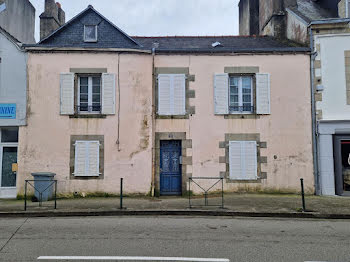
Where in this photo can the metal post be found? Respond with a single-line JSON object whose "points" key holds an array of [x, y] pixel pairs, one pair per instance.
{"points": [[189, 191], [302, 193], [40, 199], [205, 198], [25, 196], [121, 193], [55, 194], [222, 193]]}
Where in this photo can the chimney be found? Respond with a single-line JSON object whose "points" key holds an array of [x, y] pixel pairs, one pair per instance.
{"points": [[61, 14], [52, 18]]}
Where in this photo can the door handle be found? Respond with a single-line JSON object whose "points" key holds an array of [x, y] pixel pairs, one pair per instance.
{"points": [[160, 169]]}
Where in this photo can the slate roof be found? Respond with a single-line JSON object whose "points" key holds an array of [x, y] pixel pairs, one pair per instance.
{"points": [[10, 37], [309, 11], [71, 35], [227, 44]]}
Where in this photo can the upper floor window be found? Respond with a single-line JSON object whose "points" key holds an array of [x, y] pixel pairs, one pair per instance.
{"points": [[89, 94], [241, 94], [171, 94], [90, 33]]}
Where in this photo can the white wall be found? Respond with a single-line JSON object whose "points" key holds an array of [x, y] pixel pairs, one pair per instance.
{"points": [[13, 80], [333, 104]]}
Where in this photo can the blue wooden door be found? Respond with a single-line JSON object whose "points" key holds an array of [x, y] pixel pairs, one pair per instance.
{"points": [[170, 167]]}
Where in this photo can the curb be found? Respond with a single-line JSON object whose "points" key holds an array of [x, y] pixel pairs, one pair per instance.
{"points": [[206, 213]]}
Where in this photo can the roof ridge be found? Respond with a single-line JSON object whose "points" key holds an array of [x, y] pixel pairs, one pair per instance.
{"points": [[206, 36]]}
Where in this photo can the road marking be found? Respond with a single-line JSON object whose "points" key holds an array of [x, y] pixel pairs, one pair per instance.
{"points": [[191, 259]]}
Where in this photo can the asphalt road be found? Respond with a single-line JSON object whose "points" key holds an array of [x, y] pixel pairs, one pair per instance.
{"points": [[240, 239]]}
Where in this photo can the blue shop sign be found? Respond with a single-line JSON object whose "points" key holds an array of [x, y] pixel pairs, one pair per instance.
{"points": [[7, 111]]}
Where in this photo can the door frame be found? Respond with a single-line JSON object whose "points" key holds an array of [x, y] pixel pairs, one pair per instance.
{"points": [[179, 193], [7, 192], [338, 169], [186, 160]]}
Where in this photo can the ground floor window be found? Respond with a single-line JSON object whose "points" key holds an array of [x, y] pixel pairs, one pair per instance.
{"points": [[243, 160], [87, 157]]}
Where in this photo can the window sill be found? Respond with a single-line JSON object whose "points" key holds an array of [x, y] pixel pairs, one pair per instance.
{"points": [[257, 180], [242, 116], [88, 115], [172, 116]]}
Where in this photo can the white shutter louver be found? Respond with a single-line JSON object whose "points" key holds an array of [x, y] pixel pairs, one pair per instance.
{"points": [[87, 155], [243, 160], [93, 157], [67, 93], [179, 96], [164, 86], [263, 94], [221, 85], [108, 94], [80, 158]]}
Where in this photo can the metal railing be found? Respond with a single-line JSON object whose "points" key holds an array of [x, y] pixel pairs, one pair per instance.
{"points": [[40, 200], [206, 191], [88, 109], [241, 109]]}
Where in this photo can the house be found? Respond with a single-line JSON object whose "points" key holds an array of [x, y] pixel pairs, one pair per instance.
{"points": [[13, 83], [17, 17], [16, 28], [324, 26], [155, 111]]}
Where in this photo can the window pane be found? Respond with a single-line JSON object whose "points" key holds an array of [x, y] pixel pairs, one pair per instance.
{"points": [[96, 107], [83, 81], [96, 98], [9, 135], [96, 89], [96, 81], [83, 98], [246, 82], [84, 107], [247, 98], [234, 81], [83, 89], [90, 32]]}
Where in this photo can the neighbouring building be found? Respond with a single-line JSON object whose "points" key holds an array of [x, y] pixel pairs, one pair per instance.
{"points": [[325, 26], [155, 111], [13, 98], [284, 18], [18, 19], [16, 28], [331, 74]]}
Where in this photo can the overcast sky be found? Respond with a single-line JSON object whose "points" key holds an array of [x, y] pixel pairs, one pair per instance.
{"points": [[159, 17]]}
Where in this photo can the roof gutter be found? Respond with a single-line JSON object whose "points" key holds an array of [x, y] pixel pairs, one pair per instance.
{"points": [[313, 117], [330, 21], [234, 51], [79, 49]]}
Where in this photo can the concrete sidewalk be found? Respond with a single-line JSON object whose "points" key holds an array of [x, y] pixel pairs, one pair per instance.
{"points": [[234, 204]]}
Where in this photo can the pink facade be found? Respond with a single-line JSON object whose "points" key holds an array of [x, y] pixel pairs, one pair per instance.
{"points": [[285, 133]]}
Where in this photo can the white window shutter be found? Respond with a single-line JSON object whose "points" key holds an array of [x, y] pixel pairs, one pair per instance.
{"points": [[80, 158], [93, 158], [250, 159], [67, 93], [263, 94], [108, 94], [221, 86], [164, 98], [179, 94], [243, 160], [235, 160]]}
